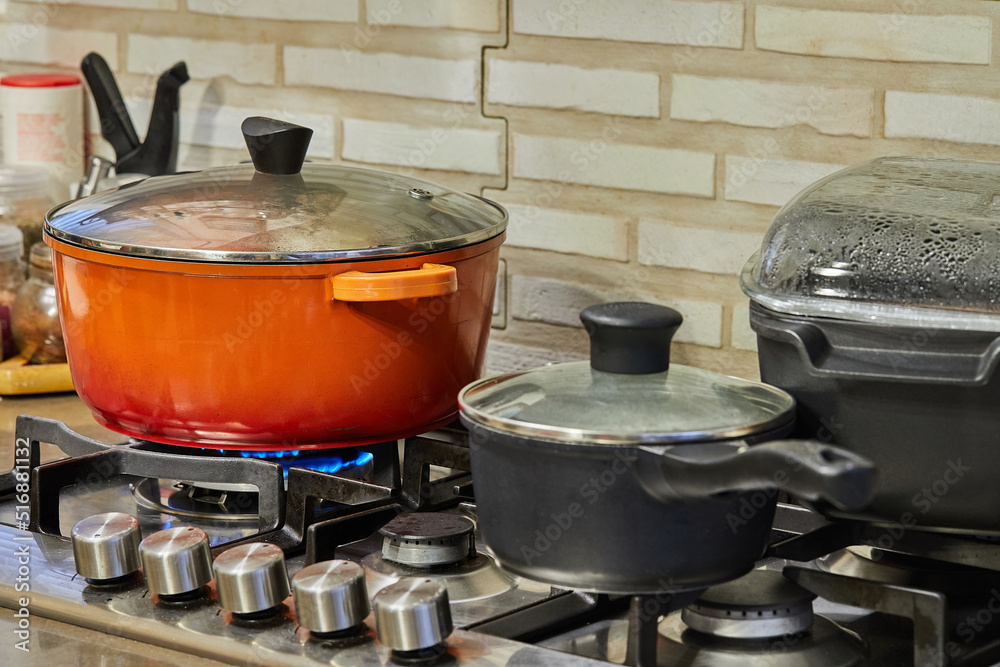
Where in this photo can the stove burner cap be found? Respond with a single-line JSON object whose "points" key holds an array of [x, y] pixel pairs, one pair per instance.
{"points": [[426, 539], [759, 605]]}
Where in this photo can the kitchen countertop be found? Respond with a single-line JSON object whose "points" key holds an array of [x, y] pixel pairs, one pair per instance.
{"points": [[66, 407]]}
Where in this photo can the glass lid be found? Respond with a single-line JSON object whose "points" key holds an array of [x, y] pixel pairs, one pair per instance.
{"points": [[277, 210], [628, 393], [899, 240]]}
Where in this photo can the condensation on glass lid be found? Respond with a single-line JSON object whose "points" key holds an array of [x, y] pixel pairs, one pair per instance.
{"points": [[902, 237]]}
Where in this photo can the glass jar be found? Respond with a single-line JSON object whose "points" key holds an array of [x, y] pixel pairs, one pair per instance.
{"points": [[11, 280], [25, 198], [35, 317]]}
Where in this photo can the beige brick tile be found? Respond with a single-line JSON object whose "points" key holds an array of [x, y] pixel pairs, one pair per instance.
{"points": [[503, 357], [708, 250], [282, 10], [567, 231], [446, 148], [774, 182], [478, 15], [947, 117], [163, 5], [743, 337], [753, 103], [898, 37], [42, 45], [655, 21], [206, 59], [599, 162], [538, 84], [389, 73]]}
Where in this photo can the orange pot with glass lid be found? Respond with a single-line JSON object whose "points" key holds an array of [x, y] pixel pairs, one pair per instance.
{"points": [[278, 305]]}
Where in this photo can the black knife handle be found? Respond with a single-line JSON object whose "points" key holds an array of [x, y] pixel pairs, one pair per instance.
{"points": [[116, 125]]}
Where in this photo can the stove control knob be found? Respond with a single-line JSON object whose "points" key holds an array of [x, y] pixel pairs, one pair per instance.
{"points": [[106, 547], [251, 579], [412, 615], [331, 597], [176, 562]]}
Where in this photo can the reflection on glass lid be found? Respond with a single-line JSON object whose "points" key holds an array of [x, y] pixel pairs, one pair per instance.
{"points": [[235, 214], [573, 402], [903, 240]]}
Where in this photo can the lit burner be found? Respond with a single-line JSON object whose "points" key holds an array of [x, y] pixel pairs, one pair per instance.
{"points": [[338, 461], [237, 501]]}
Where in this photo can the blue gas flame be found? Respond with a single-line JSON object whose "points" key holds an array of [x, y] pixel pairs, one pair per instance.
{"points": [[329, 462]]}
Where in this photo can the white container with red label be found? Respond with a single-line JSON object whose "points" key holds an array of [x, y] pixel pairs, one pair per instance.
{"points": [[42, 124]]}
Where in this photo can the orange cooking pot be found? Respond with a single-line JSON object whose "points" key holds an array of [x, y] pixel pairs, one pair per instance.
{"points": [[275, 306]]}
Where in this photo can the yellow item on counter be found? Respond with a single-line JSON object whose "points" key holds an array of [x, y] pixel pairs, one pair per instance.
{"points": [[18, 377]]}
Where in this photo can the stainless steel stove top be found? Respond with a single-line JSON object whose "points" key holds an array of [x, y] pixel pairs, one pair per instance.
{"points": [[924, 602]]}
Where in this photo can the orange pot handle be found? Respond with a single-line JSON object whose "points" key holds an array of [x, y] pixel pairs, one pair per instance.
{"points": [[428, 280]]}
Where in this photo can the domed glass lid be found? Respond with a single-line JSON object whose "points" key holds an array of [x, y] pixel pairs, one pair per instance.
{"points": [[900, 240], [277, 210], [628, 393]]}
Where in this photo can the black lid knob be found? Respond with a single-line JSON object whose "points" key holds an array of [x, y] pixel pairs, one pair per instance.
{"points": [[276, 147], [630, 337]]}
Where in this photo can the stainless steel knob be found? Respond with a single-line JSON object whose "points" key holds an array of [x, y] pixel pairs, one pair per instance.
{"points": [[412, 614], [331, 596], [106, 546], [176, 562], [251, 578]]}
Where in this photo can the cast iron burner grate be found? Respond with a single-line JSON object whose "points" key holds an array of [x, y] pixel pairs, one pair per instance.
{"points": [[237, 501], [314, 499], [759, 619], [930, 578]]}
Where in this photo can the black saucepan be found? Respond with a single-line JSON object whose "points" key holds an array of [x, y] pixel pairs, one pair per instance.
{"points": [[631, 475]]}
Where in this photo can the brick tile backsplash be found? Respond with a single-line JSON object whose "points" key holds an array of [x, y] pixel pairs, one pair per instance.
{"points": [[708, 250], [973, 120], [752, 103], [568, 232], [656, 21], [510, 357], [206, 59], [388, 73], [743, 337], [609, 91], [42, 45], [162, 5], [773, 182], [479, 15], [903, 36], [285, 10], [560, 302], [447, 148], [627, 166], [641, 147]]}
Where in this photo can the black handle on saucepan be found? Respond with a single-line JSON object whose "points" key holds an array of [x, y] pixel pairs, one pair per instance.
{"points": [[276, 147], [807, 469], [116, 125], [630, 337]]}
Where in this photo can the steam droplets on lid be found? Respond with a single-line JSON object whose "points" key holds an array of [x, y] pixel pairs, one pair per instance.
{"points": [[894, 235]]}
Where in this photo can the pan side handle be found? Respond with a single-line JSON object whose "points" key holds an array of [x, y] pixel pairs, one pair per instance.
{"points": [[807, 469]]}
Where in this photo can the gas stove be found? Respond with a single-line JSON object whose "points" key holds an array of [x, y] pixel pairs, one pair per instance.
{"points": [[391, 529]]}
